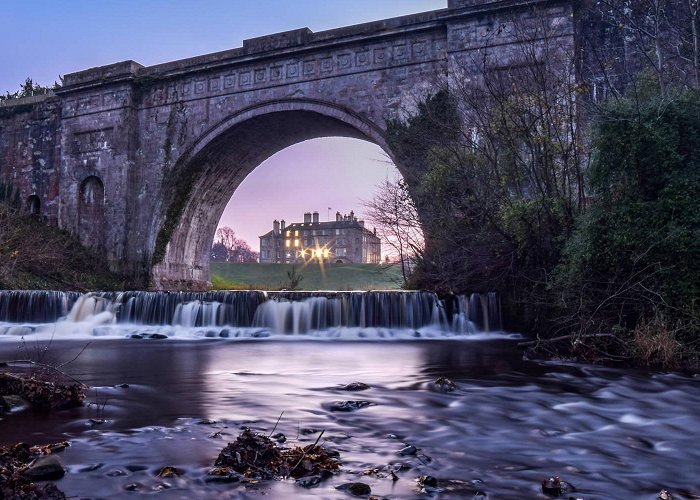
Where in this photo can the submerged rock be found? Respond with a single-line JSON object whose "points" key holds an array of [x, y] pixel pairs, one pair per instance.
{"points": [[222, 475], [349, 405], [554, 486], [444, 384], [169, 471], [408, 450], [428, 481], [354, 386], [313, 480], [148, 336], [306, 431], [13, 403], [551, 486], [357, 489]]}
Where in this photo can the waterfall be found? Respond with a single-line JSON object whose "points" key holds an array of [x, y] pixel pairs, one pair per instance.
{"points": [[25, 306], [282, 313]]}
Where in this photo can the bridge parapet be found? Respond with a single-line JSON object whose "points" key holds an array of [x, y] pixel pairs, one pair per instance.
{"points": [[100, 75], [23, 101]]}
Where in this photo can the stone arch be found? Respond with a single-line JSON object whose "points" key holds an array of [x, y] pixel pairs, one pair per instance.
{"points": [[33, 205], [205, 177], [91, 200]]}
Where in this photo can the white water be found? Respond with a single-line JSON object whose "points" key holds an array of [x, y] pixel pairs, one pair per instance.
{"points": [[326, 315]]}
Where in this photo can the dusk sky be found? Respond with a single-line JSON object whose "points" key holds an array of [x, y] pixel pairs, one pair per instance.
{"points": [[44, 39]]}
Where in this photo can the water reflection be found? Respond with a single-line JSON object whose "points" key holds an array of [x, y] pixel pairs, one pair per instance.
{"points": [[611, 433]]}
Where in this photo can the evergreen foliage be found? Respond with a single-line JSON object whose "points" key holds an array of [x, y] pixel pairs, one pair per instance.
{"points": [[635, 254]]}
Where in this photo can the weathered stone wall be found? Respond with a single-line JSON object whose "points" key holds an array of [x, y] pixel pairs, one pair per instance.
{"points": [[141, 161], [30, 135]]}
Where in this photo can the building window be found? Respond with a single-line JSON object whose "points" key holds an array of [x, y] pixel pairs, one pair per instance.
{"points": [[289, 233], [296, 243], [288, 243], [296, 233]]}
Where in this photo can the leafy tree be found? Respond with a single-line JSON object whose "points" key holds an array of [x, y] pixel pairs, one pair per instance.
{"points": [[28, 89], [635, 254]]}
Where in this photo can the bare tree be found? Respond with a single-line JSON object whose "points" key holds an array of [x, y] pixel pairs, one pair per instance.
{"points": [[394, 214], [228, 248], [659, 35]]}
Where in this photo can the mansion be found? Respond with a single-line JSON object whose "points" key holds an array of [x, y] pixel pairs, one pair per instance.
{"points": [[343, 240]]}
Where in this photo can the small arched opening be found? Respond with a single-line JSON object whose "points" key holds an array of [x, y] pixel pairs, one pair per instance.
{"points": [[33, 206], [91, 212]]}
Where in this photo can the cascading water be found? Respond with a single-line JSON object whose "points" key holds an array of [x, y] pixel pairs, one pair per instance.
{"points": [[378, 314]]}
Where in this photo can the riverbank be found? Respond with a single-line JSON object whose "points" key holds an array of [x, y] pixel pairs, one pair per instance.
{"points": [[37, 256], [310, 276]]}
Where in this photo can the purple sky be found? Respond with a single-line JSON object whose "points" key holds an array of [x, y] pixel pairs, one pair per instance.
{"points": [[42, 39]]}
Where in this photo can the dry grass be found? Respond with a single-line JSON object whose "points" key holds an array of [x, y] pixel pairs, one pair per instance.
{"points": [[34, 255], [655, 345]]}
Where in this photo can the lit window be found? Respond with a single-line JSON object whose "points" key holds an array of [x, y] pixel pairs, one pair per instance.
{"points": [[288, 243], [296, 233], [296, 243], [325, 252], [289, 233]]}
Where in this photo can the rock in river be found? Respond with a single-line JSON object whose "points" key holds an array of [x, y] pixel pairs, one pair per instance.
{"points": [[349, 405], [46, 468]]}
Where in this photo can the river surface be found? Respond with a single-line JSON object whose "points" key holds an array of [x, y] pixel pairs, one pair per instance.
{"points": [[510, 423], [610, 433]]}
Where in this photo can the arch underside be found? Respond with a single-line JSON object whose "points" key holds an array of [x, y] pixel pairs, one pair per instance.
{"points": [[218, 166]]}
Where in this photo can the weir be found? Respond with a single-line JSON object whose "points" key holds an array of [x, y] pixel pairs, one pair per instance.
{"points": [[262, 312]]}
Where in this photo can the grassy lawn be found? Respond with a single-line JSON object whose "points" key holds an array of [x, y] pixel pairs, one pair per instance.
{"points": [[230, 276]]}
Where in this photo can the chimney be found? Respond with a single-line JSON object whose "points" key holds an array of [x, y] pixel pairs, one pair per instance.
{"points": [[282, 225], [307, 217], [352, 216], [338, 217], [276, 227], [315, 217]]}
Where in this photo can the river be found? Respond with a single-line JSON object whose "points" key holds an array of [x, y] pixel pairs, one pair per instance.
{"points": [[510, 423]]}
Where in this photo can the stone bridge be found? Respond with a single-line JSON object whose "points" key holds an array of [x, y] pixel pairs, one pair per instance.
{"points": [[139, 162]]}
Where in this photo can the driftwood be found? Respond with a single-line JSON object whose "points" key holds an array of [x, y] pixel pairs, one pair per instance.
{"points": [[563, 337]]}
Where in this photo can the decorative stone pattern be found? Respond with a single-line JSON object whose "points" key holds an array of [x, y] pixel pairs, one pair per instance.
{"points": [[141, 161]]}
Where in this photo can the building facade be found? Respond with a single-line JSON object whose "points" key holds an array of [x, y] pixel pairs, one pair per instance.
{"points": [[343, 240]]}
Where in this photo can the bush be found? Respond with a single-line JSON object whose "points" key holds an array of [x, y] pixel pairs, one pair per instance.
{"points": [[635, 253]]}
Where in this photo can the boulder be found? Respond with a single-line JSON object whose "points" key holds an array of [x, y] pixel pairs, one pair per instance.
{"points": [[48, 468]]}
